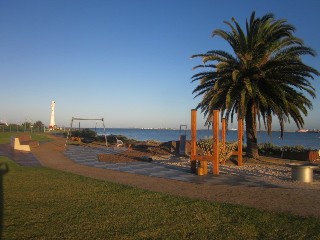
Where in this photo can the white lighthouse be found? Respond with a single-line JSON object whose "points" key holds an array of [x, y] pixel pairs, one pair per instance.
{"points": [[52, 122]]}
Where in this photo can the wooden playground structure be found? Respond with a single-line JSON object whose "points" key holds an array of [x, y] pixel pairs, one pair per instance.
{"points": [[218, 152]]}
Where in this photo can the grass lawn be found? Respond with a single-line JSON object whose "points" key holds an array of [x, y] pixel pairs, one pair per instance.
{"points": [[5, 136], [40, 203]]}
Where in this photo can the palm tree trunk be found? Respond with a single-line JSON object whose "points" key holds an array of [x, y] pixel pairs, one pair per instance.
{"points": [[251, 133]]}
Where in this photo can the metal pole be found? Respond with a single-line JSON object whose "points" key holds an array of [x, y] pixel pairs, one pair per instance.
{"points": [[104, 131]]}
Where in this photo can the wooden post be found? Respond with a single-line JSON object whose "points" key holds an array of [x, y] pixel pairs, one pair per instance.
{"points": [[223, 134], [240, 133], [193, 140], [215, 146], [204, 165]]}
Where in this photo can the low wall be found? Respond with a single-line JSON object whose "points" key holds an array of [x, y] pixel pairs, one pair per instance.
{"points": [[310, 156]]}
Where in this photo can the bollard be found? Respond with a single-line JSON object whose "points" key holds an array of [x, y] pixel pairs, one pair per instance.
{"points": [[302, 173]]}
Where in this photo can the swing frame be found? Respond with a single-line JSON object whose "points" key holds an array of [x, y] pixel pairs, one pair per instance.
{"points": [[87, 119]]}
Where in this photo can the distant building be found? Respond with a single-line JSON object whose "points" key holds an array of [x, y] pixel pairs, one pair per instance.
{"points": [[3, 123]]}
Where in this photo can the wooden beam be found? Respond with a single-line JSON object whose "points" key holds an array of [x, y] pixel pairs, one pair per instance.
{"points": [[215, 146], [193, 140]]}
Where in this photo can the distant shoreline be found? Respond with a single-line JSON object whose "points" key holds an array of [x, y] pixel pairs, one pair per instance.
{"points": [[206, 129]]}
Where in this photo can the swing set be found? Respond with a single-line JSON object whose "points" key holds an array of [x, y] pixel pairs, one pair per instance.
{"points": [[69, 135], [215, 153]]}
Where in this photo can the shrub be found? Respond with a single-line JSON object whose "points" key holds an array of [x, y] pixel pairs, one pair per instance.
{"points": [[298, 148], [100, 138], [84, 133], [269, 149], [75, 133], [87, 133], [113, 138]]}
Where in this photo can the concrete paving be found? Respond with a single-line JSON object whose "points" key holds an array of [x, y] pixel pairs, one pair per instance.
{"points": [[88, 156], [22, 158]]}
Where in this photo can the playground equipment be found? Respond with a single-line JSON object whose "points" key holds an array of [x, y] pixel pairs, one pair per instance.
{"points": [[87, 119], [214, 151]]}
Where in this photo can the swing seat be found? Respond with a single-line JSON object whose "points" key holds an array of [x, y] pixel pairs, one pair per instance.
{"points": [[224, 152]]}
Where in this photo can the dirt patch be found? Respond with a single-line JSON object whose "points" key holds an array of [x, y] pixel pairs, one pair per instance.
{"points": [[139, 151], [129, 155]]}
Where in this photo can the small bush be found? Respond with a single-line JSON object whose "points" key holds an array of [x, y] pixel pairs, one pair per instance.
{"points": [[269, 149], [100, 138], [84, 133], [75, 133], [113, 138], [298, 148], [87, 133], [273, 150]]}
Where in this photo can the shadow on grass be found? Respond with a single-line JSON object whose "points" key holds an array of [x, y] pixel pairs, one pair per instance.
{"points": [[3, 170]]}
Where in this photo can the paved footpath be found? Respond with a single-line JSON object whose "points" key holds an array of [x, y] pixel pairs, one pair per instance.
{"points": [[22, 158]]}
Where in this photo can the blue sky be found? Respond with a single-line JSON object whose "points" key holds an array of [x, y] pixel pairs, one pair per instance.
{"points": [[127, 61]]}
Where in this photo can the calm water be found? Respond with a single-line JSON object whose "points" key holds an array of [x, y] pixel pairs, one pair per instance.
{"points": [[311, 140]]}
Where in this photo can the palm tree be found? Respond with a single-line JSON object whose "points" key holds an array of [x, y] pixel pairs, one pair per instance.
{"points": [[265, 78]]}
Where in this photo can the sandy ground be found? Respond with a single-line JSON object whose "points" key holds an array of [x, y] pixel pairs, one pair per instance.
{"points": [[295, 198]]}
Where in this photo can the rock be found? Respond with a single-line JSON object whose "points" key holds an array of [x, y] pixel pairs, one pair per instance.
{"points": [[146, 158]]}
